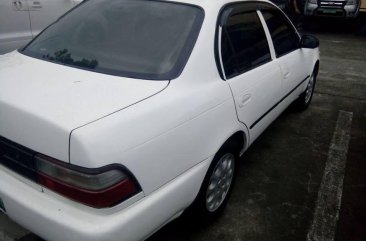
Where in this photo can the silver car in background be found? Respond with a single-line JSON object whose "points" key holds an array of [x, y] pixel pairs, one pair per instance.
{"points": [[22, 20], [332, 8]]}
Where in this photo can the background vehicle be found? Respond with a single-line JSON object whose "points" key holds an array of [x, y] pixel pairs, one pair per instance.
{"points": [[22, 20], [332, 8], [146, 121]]}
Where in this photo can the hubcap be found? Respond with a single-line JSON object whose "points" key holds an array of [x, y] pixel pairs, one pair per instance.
{"points": [[220, 182], [309, 89]]}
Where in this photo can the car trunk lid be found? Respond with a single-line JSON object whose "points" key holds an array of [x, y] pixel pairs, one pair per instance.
{"points": [[42, 102]]}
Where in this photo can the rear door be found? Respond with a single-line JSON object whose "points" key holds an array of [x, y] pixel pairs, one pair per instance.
{"points": [[246, 61], [45, 12], [14, 25]]}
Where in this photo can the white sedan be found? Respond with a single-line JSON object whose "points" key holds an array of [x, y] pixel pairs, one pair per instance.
{"points": [[123, 114]]}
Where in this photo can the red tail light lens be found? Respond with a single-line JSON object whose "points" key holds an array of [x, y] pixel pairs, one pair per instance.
{"points": [[99, 188]]}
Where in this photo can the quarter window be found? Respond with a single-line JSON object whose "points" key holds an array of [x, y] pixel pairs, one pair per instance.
{"points": [[284, 37], [243, 42]]}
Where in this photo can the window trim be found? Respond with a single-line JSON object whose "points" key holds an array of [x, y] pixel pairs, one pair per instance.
{"points": [[218, 34], [220, 54], [261, 6], [268, 35]]}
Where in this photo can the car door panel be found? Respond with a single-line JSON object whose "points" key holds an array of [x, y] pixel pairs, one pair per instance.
{"points": [[292, 71], [261, 90], [14, 24]]}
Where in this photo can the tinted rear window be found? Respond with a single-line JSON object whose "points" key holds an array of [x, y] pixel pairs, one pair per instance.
{"points": [[137, 39]]}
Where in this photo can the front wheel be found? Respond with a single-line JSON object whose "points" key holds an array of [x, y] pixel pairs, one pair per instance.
{"points": [[305, 98]]}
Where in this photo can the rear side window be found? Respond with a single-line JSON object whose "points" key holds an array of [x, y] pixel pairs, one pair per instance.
{"points": [[243, 41], [284, 37]]}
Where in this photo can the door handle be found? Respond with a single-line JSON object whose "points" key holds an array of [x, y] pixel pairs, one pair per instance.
{"points": [[285, 70], [286, 75], [245, 99]]}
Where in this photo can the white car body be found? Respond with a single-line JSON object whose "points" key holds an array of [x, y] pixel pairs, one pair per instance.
{"points": [[22, 20], [164, 132]]}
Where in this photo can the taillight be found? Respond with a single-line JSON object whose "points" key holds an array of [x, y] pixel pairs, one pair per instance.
{"points": [[99, 188]]}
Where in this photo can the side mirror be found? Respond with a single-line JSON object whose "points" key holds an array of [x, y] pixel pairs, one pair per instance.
{"points": [[309, 42]]}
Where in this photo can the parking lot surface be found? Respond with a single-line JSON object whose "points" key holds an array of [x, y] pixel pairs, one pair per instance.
{"points": [[279, 178]]}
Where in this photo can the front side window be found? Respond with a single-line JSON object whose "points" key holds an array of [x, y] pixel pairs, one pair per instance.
{"points": [[137, 39], [243, 41], [284, 36]]}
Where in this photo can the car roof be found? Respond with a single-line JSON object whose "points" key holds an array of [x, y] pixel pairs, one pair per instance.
{"points": [[210, 3]]}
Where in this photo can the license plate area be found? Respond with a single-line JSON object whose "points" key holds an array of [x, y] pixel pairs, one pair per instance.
{"points": [[332, 11]]}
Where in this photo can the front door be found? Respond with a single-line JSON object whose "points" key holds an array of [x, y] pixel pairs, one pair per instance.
{"points": [[290, 57]]}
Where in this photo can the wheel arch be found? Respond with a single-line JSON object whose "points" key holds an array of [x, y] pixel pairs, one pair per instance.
{"points": [[238, 142]]}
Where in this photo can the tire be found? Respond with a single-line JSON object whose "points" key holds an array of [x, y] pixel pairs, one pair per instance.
{"points": [[304, 100], [216, 187]]}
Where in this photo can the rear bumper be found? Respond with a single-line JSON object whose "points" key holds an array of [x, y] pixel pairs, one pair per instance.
{"points": [[55, 218]]}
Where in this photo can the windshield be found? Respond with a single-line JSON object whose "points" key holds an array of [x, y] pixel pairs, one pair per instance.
{"points": [[136, 39]]}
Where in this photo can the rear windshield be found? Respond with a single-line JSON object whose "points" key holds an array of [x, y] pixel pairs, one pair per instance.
{"points": [[130, 38]]}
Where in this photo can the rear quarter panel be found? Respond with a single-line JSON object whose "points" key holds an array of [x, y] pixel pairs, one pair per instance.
{"points": [[161, 138]]}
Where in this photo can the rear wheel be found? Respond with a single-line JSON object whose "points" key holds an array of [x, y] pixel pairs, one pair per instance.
{"points": [[217, 186], [220, 181]]}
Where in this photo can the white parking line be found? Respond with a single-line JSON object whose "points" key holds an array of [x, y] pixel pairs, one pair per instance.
{"points": [[328, 204]]}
